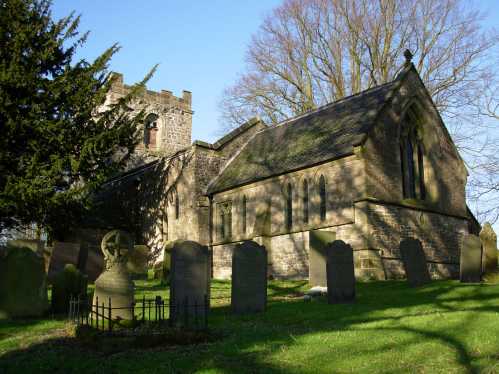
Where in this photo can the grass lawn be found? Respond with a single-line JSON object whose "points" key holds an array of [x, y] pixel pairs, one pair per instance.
{"points": [[444, 327]]}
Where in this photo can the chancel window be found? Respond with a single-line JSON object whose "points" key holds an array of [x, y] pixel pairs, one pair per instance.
{"points": [[289, 206], [225, 220], [322, 197], [243, 214], [305, 201], [177, 206], [412, 157], [150, 131]]}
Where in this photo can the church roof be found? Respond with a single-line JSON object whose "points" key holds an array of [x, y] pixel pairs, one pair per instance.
{"points": [[326, 133]]}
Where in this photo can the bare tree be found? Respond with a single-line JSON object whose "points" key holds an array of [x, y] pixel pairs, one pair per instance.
{"points": [[310, 52]]}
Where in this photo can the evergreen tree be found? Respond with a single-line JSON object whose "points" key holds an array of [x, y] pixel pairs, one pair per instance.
{"points": [[58, 141]]}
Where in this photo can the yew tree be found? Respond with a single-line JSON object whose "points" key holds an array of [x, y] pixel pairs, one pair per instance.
{"points": [[60, 139]]}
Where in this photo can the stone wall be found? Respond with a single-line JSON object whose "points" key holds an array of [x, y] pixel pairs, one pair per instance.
{"points": [[344, 185], [288, 247], [143, 200], [440, 235]]}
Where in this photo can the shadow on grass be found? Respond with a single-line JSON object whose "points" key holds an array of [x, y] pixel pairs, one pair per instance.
{"points": [[250, 340]]}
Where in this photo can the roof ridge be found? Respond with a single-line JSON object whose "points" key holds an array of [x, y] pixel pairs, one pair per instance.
{"points": [[328, 105]]}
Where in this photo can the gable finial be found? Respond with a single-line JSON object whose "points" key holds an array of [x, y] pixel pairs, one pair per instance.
{"points": [[408, 56]]}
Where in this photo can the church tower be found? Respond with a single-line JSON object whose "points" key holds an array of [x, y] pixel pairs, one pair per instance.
{"points": [[168, 121]]}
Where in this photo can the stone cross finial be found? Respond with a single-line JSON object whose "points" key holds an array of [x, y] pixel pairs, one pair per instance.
{"points": [[408, 56]]}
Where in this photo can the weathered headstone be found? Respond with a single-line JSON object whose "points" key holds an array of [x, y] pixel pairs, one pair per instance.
{"points": [[318, 241], [340, 273], [414, 261], [63, 253], [249, 278], [35, 245], [23, 284], [94, 264], [166, 264], [67, 284], [138, 259], [489, 245], [471, 260], [189, 282], [114, 283]]}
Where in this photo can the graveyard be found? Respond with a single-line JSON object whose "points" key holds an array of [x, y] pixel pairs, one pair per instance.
{"points": [[444, 326], [186, 321]]}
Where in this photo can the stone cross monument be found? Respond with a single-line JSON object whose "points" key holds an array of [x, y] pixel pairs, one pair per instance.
{"points": [[115, 284]]}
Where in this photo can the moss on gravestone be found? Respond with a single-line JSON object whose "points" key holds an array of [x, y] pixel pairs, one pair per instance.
{"points": [[68, 283], [23, 284]]}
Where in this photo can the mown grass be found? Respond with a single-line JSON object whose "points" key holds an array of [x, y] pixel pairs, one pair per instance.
{"points": [[444, 327]]}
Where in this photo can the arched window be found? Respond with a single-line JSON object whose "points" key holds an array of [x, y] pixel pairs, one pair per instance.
{"points": [[225, 220], [412, 157], [289, 206], [150, 131], [177, 206], [243, 213], [322, 197], [305, 201]]}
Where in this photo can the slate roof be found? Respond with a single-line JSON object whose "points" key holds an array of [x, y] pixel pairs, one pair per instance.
{"points": [[324, 134]]}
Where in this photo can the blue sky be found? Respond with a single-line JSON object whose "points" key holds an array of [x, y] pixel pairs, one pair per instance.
{"points": [[199, 44]]}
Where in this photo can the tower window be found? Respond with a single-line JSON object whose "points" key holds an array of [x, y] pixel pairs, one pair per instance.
{"points": [[150, 131]]}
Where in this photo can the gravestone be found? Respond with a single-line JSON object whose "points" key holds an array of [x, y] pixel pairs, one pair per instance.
{"points": [[23, 284], [189, 282], [166, 264], [63, 253], [318, 241], [35, 245], [489, 244], [115, 284], [414, 261], [340, 273], [249, 278], [68, 283], [471, 260], [94, 264], [138, 259]]}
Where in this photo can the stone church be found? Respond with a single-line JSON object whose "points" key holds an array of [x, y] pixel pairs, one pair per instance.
{"points": [[369, 169]]}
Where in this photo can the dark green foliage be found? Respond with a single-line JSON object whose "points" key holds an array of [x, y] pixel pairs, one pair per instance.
{"points": [[55, 149], [23, 285], [69, 283]]}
